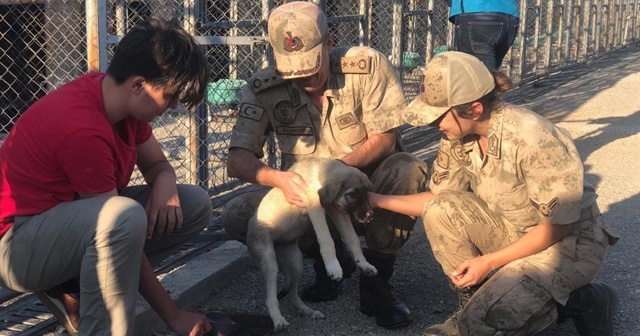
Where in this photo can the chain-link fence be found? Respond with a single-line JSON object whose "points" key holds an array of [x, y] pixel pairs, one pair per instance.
{"points": [[44, 43]]}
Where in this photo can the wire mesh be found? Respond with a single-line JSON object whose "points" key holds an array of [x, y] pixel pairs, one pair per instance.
{"points": [[43, 44]]}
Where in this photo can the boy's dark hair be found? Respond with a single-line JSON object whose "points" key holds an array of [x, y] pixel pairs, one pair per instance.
{"points": [[166, 56]]}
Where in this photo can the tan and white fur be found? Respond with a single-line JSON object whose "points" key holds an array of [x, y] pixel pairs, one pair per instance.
{"points": [[334, 189]]}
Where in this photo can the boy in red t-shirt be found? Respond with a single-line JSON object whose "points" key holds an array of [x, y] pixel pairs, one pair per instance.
{"points": [[66, 213]]}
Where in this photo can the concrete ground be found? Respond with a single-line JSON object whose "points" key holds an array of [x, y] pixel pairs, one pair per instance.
{"points": [[601, 109]]}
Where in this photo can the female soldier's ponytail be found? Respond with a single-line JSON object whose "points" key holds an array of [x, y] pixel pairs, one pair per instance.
{"points": [[503, 82], [491, 101]]}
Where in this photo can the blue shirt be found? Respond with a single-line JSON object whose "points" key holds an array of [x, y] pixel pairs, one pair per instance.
{"points": [[484, 6]]}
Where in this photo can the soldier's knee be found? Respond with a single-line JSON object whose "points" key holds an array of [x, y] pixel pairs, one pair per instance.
{"points": [[416, 171], [440, 206], [237, 213], [408, 160], [402, 158], [388, 238], [401, 173], [235, 219]]}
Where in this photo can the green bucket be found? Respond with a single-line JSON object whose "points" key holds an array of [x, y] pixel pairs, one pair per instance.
{"points": [[225, 91], [410, 59], [440, 49]]}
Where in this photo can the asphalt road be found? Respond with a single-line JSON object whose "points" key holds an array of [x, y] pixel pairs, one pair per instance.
{"points": [[602, 111]]}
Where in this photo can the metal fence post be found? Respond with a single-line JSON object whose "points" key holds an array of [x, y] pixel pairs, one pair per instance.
{"points": [[397, 40], [197, 121], [364, 11], [523, 38], [635, 20], [93, 35], [595, 8], [586, 29], [605, 24]]}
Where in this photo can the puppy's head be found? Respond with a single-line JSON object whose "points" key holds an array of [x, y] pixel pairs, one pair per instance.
{"points": [[346, 189]]}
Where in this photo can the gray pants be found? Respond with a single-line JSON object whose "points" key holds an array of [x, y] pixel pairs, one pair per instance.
{"points": [[100, 240], [400, 174], [521, 298]]}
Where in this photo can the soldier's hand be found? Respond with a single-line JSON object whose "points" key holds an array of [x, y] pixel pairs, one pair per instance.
{"points": [[471, 272], [372, 198], [294, 188]]}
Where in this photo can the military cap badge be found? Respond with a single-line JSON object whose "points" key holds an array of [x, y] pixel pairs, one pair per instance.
{"points": [[292, 43]]}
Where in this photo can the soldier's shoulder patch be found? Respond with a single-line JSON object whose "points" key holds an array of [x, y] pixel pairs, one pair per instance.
{"points": [[354, 65], [459, 153], [494, 145], [251, 111], [264, 79], [546, 209], [442, 160]]}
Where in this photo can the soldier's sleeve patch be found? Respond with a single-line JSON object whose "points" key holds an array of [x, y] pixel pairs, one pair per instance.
{"points": [[346, 120], [251, 111], [443, 160], [355, 65], [439, 177], [546, 209]]}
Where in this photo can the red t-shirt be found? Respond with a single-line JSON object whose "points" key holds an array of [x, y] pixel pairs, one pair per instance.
{"points": [[63, 145]]}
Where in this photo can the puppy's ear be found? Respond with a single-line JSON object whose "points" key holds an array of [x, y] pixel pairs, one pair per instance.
{"points": [[328, 193]]}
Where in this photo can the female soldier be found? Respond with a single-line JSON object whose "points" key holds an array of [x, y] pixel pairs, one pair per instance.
{"points": [[507, 195]]}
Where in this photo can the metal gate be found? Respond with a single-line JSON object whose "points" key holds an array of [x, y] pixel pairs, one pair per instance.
{"points": [[45, 43]]}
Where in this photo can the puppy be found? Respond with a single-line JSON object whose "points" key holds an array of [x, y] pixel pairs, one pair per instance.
{"points": [[334, 189]]}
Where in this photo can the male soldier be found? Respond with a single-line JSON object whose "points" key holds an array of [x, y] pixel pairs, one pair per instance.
{"points": [[323, 102]]}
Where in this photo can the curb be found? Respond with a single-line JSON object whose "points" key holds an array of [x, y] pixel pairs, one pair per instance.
{"points": [[190, 284]]}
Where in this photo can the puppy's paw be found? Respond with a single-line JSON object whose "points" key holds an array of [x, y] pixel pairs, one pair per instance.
{"points": [[317, 315], [334, 271], [366, 268], [280, 324]]}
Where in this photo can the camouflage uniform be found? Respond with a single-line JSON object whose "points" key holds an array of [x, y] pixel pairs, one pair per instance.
{"points": [[531, 171], [363, 97]]}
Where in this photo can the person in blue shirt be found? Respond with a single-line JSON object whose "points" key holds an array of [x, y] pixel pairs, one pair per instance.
{"points": [[485, 29]]}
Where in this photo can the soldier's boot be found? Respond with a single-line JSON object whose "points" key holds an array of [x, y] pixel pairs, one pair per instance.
{"points": [[450, 326], [323, 288], [376, 294], [592, 308]]}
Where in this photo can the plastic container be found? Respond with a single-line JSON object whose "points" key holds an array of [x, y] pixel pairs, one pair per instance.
{"points": [[225, 91], [410, 59], [440, 49]]}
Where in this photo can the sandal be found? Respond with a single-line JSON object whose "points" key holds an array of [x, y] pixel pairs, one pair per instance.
{"points": [[63, 306]]}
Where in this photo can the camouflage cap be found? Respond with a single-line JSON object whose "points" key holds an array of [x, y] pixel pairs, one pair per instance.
{"points": [[296, 32], [451, 78]]}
